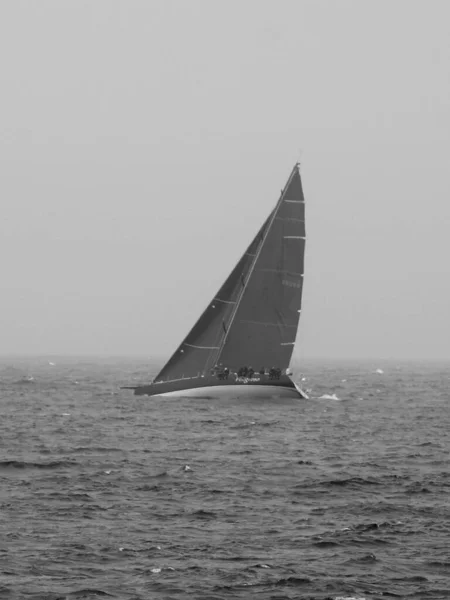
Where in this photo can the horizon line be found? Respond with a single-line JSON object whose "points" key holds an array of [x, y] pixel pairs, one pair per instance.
{"points": [[142, 356]]}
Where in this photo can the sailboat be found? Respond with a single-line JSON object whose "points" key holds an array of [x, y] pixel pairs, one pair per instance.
{"points": [[243, 342]]}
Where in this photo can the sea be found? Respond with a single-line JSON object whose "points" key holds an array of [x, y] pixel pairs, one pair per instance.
{"points": [[103, 495]]}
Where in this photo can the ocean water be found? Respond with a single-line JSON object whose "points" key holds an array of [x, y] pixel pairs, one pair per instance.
{"points": [[108, 495]]}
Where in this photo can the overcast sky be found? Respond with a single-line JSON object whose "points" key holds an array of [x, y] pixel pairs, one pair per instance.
{"points": [[144, 142]]}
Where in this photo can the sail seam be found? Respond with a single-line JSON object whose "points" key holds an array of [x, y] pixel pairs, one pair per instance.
{"points": [[287, 344], [295, 201], [290, 219], [294, 237], [281, 271]]}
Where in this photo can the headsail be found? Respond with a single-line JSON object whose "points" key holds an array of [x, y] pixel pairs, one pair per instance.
{"points": [[198, 351], [253, 318], [264, 325]]}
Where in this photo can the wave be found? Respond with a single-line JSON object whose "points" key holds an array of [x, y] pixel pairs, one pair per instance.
{"points": [[237, 558], [203, 514], [413, 579], [371, 526], [24, 380], [326, 544], [158, 475], [85, 593], [67, 496], [350, 481], [293, 581], [19, 464], [92, 449], [367, 558], [439, 563], [149, 488]]}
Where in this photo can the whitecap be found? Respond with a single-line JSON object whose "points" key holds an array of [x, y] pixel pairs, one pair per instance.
{"points": [[329, 397], [379, 371], [155, 570]]}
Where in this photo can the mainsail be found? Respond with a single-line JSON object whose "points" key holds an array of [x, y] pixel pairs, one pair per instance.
{"points": [[253, 318]]}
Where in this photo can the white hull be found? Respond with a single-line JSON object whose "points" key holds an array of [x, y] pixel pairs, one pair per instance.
{"points": [[238, 391]]}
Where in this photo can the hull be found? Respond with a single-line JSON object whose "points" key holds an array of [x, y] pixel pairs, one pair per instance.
{"points": [[234, 391], [211, 387]]}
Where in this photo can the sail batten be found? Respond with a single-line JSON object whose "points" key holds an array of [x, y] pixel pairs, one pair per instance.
{"points": [[266, 323], [226, 301], [202, 347], [290, 219], [282, 271]]}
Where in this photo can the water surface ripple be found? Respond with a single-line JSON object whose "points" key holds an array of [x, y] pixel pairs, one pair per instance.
{"points": [[107, 495]]}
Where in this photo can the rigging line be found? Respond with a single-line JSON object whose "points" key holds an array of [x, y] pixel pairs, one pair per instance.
{"points": [[258, 252]]}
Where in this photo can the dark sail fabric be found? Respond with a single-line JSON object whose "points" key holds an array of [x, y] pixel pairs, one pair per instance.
{"points": [[264, 324], [198, 352]]}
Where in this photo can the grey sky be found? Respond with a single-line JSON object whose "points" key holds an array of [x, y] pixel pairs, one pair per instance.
{"points": [[144, 142]]}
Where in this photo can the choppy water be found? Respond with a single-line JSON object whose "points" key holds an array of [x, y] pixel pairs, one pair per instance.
{"points": [[297, 499]]}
